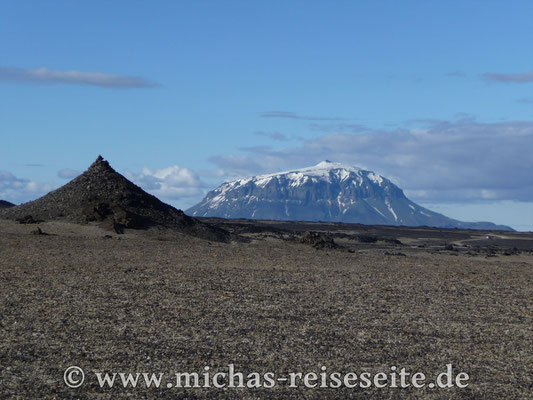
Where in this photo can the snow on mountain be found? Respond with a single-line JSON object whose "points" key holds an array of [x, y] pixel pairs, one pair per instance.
{"points": [[328, 191]]}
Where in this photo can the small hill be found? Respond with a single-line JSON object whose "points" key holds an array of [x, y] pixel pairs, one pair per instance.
{"points": [[6, 204], [103, 195], [328, 191]]}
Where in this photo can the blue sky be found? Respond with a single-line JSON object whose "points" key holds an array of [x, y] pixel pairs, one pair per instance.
{"points": [[183, 95]]}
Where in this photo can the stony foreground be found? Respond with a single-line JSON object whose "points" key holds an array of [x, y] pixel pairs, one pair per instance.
{"points": [[144, 302]]}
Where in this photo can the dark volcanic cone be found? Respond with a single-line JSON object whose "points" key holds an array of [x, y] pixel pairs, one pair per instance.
{"points": [[102, 194], [6, 204]]}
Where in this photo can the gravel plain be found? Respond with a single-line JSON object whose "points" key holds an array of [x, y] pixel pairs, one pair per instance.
{"points": [[156, 301]]}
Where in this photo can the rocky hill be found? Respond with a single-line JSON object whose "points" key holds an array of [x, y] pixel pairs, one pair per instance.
{"points": [[327, 191], [102, 195]]}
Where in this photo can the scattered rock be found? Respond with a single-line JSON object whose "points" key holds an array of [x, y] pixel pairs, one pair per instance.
{"points": [[38, 231], [388, 253], [318, 240], [367, 239], [27, 219], [392, 241]]}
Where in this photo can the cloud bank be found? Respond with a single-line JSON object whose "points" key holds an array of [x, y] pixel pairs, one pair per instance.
{"points": [[173, 183], [461, 161], [19, 190], [73, 77]]}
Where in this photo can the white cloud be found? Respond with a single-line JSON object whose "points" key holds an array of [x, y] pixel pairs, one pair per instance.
{"points": [[169, 183], [19, 190]]}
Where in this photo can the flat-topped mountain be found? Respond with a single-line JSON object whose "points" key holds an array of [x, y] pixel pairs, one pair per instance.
{"points": [[103, 195], [6, 204], [327, 191]]}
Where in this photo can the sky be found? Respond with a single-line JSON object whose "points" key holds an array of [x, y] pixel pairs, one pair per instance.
{"points": [[181, 96]]}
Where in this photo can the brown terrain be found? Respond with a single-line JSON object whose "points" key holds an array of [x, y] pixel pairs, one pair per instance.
{"points": [[134, 286]]}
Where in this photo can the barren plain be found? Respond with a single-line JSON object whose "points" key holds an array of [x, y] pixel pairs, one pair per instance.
{"points": [[162, 302]]}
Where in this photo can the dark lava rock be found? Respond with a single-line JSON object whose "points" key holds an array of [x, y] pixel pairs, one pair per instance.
{"points": [[27, 219], [367, 239], [319, 240], [388, 253], [38, 231], [103, 195], [6, 204], [392, 241]]}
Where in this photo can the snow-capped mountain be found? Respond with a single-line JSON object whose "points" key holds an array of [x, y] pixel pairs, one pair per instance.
{"points": [[327, 191]]}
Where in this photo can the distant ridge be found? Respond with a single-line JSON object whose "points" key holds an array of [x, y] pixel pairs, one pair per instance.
{"points": [[103, 195], [328, 191], [6, 204]]}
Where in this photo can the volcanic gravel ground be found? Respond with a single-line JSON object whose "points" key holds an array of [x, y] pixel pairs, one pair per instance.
{"points": [[154, 302]]}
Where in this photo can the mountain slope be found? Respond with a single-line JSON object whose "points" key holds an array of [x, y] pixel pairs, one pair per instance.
{"points": [[6, 204], [326, 192], [103, 195]]}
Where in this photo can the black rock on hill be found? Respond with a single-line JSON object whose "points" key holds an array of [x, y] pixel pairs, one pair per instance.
{"points": [[103, 195]]}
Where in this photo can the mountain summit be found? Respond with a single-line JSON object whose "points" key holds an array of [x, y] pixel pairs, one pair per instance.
{"points": [[328, 191], [103, 195]]}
